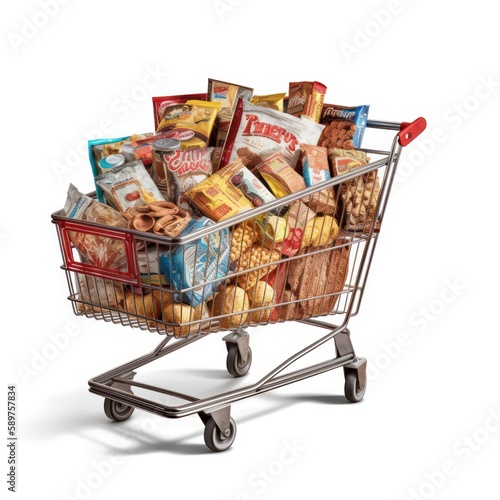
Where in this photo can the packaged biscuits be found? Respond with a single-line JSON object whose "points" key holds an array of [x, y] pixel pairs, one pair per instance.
{"points": [[359, 196], [344, 126]]}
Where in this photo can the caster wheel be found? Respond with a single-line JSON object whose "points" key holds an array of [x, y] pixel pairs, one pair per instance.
{"points": [[352, 389], [117, 411], [234, 364], [214, 438]]}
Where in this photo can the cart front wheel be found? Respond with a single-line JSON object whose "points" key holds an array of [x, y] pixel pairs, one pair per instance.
{"points": [[235, 364], [353, 390], [117, 411], [214, 438]]}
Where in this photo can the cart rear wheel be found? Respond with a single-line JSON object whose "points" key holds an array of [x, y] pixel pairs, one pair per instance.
{"points": [[353, 390], [234, 364], [117, 411], [214, 438]]}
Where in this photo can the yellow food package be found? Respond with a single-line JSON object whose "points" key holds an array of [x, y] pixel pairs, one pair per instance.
{"points": [[273, 101], [190, 123], [217, 197]]}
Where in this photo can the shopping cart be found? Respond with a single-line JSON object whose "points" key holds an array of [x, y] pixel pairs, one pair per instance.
{"points": [[268, 265]]}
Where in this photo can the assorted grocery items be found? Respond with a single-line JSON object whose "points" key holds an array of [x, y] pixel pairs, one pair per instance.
{"points": [[212, 158], [238, 210]]}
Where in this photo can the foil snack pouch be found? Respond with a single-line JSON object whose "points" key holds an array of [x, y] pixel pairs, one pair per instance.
{"points": [[190, 123]]}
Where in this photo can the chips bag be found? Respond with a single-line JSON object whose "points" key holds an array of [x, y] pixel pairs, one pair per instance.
{"points": [[190, 123]]}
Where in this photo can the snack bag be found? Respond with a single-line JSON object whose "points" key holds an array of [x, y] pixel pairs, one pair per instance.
{"points": [[217, 197], [97, 250], [344, 126], [128, 186], [107, 153], [183, 170], [200, 265], [160, 103], [253, 189], [306, 98], [273, 101], [227, 94], [256, 133], [191, 123]]}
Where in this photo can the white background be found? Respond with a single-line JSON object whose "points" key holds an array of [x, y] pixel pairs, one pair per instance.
{"points": [[426, 427]]}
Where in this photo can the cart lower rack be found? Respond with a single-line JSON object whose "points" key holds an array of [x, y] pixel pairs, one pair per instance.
{"points": [[304, 257]]}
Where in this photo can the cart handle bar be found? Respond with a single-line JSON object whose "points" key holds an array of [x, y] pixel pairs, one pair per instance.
{"points": [[408, 131]]}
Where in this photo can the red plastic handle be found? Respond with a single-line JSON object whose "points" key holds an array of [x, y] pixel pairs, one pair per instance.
{"points": [[410, 131], [131, 275]]}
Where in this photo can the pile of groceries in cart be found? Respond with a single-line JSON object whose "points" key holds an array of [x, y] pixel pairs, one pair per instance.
{"points": [[224, 210]]}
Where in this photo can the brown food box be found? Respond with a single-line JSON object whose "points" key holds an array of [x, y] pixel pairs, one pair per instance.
{"points": [[280, 176], [306, 98]]}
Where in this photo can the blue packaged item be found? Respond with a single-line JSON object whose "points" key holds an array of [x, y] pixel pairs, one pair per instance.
{"points": [[345, 126], [199, 265]]}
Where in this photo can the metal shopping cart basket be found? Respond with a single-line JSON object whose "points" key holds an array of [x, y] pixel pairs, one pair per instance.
{"points": [[289, 260]]}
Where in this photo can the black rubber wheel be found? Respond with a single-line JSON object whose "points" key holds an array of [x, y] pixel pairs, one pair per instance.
{"points": [[117, 411], [214, 438], [352, 388], [234, 363]]}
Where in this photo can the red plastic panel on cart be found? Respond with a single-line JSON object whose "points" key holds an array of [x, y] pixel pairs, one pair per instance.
{"points": [[131, 275]]}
